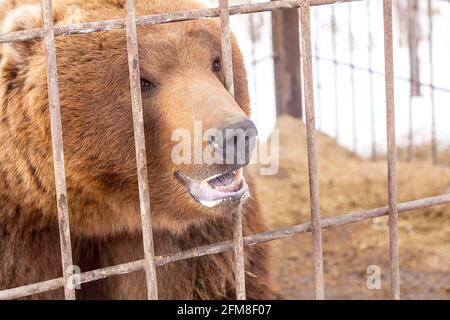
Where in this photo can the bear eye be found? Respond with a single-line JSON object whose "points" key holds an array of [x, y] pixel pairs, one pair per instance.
{"points": [[146, 84], [216, 65]]}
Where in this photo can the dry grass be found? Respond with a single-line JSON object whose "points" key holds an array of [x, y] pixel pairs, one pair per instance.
{"points": [[349, 184]]}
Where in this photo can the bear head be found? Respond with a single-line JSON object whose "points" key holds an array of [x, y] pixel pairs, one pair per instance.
{"points": [[188, 116]]}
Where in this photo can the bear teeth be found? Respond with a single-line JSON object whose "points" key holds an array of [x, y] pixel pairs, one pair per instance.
{"points": [[223, 182]]}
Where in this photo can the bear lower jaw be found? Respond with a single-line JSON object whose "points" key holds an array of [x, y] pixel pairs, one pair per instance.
{"points": [[213, 191]]}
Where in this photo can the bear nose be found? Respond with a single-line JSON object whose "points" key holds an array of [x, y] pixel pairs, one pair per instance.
{"points": [[236, 142]]}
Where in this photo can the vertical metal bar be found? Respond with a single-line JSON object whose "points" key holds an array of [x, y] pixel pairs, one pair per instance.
{"points": [[317, 66], [312, 154], [336, 88], [227, 58], [238, 249], [371, 89], [141, 158], [392, 152], [58, 150], [227, 61], [352, 78], [432, 97]]}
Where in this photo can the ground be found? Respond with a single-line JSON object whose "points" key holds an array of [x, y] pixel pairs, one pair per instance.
{"points": [[349, 184]]}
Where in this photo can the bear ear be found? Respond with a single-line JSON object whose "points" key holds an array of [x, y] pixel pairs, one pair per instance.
{"points": [[22, 18]]}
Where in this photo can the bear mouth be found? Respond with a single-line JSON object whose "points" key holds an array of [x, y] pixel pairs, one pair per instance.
{"points": [[229, 186]]}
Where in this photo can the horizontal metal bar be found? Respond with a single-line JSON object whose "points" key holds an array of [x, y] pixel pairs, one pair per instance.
{"points": [[251, 240], [162, 18]]}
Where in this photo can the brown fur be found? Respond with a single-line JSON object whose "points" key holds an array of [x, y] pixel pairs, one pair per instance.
{"points": [[100, 159]]}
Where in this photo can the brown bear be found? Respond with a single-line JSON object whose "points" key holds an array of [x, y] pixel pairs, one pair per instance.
{"points": [[182, 82]]}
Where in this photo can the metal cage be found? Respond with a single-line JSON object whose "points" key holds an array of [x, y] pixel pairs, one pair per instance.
{"points": [[149, 264]]}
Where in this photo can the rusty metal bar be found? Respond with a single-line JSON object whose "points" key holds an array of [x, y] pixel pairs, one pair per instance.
{"points": [[238, 246], [227, 58], [58, 150], [227, 63], [391, 150], [371, 89], [434, 156], [335, 73], [352, 78], [141, 158], [162, 18], [251, 240], [311, 146]]}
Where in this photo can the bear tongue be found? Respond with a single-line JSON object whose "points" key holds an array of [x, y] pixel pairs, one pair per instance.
{"points": [[210, 193]]}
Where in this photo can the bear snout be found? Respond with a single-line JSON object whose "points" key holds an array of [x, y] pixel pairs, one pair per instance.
{"points": [[235, 142]]}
